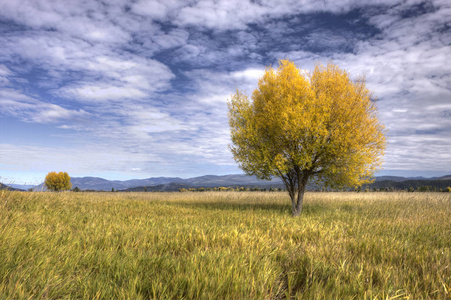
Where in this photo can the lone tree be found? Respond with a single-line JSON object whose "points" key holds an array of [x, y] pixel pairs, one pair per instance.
{"points": [[301, 126], [58, 181]]}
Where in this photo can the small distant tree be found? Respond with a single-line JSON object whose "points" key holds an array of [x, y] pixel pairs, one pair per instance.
{"points": [[300, 125], [58, 181], [448, 189]]}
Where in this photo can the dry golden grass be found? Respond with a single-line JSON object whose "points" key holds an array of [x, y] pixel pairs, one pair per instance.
{"points": [[224, 245]]}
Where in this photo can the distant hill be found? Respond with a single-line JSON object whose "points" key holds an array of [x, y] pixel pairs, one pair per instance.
{"points": [[209, 181], [381, 182], [100, 184], [167, 187], [235, 180], [6, 187], [96, 183], [166, 183], [438, 184], [21, 186], [149, 181], [228, 180], [391, 178]]}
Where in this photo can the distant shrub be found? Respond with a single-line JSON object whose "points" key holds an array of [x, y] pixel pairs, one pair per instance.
{"points": [[449, 189], [58, 181]]}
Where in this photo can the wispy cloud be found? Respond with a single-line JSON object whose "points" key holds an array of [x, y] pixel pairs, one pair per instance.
{"points": [[29, 109]]}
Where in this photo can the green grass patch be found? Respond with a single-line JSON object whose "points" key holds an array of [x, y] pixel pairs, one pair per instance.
{"points": [[224, 245]]}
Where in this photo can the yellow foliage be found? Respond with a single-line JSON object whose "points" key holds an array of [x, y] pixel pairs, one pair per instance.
{"points": [[301, 125], [58, 181]]}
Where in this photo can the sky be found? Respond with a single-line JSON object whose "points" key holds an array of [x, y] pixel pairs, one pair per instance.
{"points": [[124, 89]]}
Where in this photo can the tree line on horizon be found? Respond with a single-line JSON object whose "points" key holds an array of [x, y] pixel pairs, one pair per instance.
{"points": [[60, 181]]}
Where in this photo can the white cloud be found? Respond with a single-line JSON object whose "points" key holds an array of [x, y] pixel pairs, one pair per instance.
{"points": [[216, 88], [14, 103], [251, 74], [103, 92], [144, 121], [221, 14], [86, 20], [82, 159], [59, 55], [4, 73], [156, 10], [174, 38], [425, 157]]}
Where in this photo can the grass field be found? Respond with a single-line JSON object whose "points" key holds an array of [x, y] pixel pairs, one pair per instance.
{"points": [[224, 245]]}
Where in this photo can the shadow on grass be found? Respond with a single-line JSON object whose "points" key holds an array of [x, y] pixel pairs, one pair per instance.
{"points": [[308, 208]]}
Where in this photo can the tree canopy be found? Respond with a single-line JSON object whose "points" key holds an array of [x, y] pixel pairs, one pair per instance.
{"points": [[58, 181], [303, 125]]}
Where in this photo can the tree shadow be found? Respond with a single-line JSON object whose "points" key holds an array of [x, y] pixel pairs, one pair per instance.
{"points": [[283, 208], [232, 206]]}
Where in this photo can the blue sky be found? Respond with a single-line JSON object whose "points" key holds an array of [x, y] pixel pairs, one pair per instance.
{"points": [[127, 89]]}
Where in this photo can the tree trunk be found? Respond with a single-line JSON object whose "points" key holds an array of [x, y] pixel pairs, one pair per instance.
{"points": [[295, 182], [300, 199], [293, 204]]}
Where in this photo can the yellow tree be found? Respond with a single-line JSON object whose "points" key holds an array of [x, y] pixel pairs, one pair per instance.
{"points": [[299, 126], [57, 181]]}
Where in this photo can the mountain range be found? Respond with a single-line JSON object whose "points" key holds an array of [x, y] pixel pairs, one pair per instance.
{"points": [[236, 180], [7, 187], [99, 184]]}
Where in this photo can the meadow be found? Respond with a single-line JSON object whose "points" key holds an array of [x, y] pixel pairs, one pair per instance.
{"points": [[224, 245]]}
